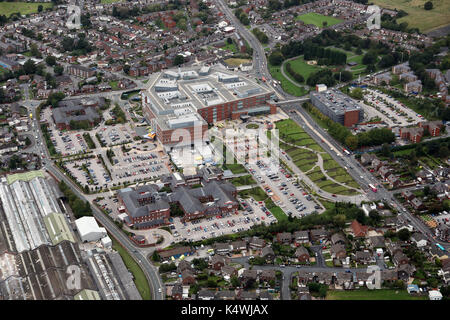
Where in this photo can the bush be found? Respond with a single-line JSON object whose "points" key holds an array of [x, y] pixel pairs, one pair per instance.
{"points": [[428, 5], [166, 267]]}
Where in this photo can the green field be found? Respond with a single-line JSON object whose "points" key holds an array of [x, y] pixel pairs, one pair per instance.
{"points": [[300, 66], [139, 277], [382, 294], [8, 8], [286, 85], [318, 19], [418, 17]]}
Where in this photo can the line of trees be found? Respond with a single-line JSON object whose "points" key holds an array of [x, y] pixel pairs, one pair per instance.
{"points": [[262, 37], [326, 56], [297, 76], [79, 207], [242, 16]]}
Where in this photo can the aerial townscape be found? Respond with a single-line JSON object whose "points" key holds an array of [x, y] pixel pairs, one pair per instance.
{"points": [[225, 150]]}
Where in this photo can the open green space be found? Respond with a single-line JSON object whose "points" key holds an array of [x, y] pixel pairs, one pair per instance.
{"points": [[256, 193], [140, 279], [286, 84], [230, 47], [109, 1], [252, 126], [305, 159], [24, 8], [236, 168], [300, 66], [363, 294], [243, 181], [418, 17], [318, 19]]}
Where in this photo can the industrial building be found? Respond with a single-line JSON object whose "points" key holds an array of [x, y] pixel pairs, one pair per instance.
{"points": [[338, 107], [89, 230], [30, 212], [43, 273], [192, 98], [111, 276]]}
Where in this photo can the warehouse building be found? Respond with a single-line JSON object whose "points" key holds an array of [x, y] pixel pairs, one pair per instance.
{"points": [[192, 98], [89, 230], [338, 107], [30, 213], [43, 273]]}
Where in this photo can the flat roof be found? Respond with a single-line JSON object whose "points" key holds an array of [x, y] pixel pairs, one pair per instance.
{"points": [[336, 101], [176, 96], [87, 294]]}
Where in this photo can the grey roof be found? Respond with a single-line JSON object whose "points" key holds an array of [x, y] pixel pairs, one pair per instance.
{"points": [[266, 250], [301, 250]]}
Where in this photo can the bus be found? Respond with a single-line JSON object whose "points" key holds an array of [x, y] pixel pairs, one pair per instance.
{"points": [[372, 187], [440, 247], [346, 152]]}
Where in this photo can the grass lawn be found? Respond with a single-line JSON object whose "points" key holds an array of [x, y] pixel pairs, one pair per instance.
{"points": [[236, 168], [235, 62], [300, 66], [252, 126], [8, 8], [382, 294], [230, 47], [286, 85], [256, 193], [243, 181], [278, 213], [418, 17], [139, 277], [113, 85], [318, 19], [109, 1]]}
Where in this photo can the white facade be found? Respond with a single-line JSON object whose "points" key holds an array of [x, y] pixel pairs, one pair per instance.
{"points": [[89, 230], [435, 295], [106, 242]]}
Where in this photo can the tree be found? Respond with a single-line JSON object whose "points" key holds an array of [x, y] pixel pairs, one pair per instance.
{"points": [[443, 152], [29, 67], [276, 58], [385, 150], [40, 8], [404, 234], [428, 5], [324, 24], [50, 60], [35, 51], [179, 59], [229, 40], [126, 69], [58, 70], [235, 281], [351, 142]]}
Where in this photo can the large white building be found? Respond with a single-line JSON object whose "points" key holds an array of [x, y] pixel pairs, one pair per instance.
{"points": [[89, 230]]}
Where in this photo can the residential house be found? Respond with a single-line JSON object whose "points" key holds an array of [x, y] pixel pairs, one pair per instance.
{"points": [[238, 245], [301, 237], [358, 230], [177, 291], [217, 262], [284, 237], [408, 195], [419, 239], [267, 253], [318, 234], [417, 204], [400, 258], [228, 272], [205, 294], [405, 271], [188, 277], [377, 242], [225, 295], [302, 254], [221, 248], [257, 243], [338, 251], [367, 158], [443, 232], [267, 275], [248, 275], [338, 238], [363, 257]]}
